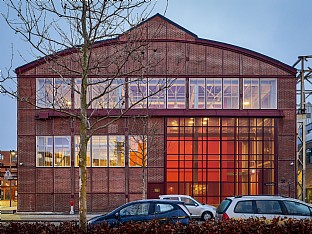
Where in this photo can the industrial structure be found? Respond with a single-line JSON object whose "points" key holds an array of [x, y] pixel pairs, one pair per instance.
{"points": [[304, 91], [225, 123]]}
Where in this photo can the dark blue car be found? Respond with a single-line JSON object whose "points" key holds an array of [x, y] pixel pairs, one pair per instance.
{"points": [[146, 210]]}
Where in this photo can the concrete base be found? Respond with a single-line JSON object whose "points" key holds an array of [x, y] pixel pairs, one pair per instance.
{"points": [[7, 211]]}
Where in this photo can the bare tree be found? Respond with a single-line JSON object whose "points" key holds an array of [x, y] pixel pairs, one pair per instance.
{"points": [[142, 141], [67, 34]]}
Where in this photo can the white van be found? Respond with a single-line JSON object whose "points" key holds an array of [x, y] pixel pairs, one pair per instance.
{"points": [[197, 209]]}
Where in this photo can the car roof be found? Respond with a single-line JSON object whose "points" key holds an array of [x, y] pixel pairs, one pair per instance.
{"points": [[158, 200], [174, 195], [146, 200], [261, 197]]}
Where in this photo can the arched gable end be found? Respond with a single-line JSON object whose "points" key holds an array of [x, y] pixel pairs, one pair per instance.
{"points": [[177, 51]]}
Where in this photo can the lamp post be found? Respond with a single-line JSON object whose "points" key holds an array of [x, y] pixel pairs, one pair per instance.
{"points": [[12, 154]]}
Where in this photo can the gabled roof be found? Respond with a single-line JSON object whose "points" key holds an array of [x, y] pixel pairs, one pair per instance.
{"points": [[166, 20], [188, 36]]}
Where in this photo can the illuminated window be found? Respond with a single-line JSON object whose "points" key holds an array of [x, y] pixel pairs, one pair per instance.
{"points": [[44, 151], [99, 92], [214, 93], [210, 158], [54, 93], [268, 93], [99, 151], [138, 151], [44, 93], [176, 94], [197, 93], [116, 151], [230, 93], [62, 93], [104, 93], [251, 93], [61, 151], [53, 151], [157, 93], [77, 150], [137, 92], [116, 93], [259, 93]]}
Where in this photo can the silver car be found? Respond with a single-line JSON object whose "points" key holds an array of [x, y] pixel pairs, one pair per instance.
{"points": [[259, 206], [197, 209]]}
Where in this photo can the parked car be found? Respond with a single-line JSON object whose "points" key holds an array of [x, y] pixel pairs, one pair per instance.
{"points": [[197, 209], [146, 210], [263, 206]]}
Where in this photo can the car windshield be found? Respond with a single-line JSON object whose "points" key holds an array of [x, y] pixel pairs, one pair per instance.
{"points": [[188, 201], [223, 206]]}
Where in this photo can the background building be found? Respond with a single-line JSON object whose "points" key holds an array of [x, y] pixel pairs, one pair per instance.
{"points": [[308, 161], [8, 178], [225, 126]]}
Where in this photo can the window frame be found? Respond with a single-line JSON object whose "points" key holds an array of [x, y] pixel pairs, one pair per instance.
{"points": [[243, 211], [232, 95], [261, 84], [45, 147], [42, 92], [267, 202], [297, 203], [53, 150], [194, 91], [215, 83], [274, 106], [138, 92], [175, 101], [157, 95], [141, 143]]}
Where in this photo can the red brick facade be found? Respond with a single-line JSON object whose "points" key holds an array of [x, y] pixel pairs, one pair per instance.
{"points": [[178, 53]]}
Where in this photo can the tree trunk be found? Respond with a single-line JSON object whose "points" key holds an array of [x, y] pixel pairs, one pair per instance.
{"points": [[83, 158], [143, 184], [83, 127]]}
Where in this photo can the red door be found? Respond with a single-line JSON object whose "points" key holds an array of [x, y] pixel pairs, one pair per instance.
{"points": [[154, 190]]}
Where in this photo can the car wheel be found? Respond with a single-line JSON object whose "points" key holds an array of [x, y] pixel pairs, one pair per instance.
{"points": [[206, 216]]}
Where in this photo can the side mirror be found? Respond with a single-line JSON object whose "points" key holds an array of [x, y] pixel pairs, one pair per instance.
{"points": [[117, 215]]}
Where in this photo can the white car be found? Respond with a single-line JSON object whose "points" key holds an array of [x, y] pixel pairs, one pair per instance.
{"points": [[259, 206], [198, 210]]}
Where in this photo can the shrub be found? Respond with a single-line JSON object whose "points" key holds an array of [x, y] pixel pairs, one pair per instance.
{"points": [[231, 226]]}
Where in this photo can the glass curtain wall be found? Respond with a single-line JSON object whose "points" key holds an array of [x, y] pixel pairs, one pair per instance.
{"points": [[212, 158]]}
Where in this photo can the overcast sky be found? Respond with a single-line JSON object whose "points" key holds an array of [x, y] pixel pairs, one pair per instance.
{"points": [[281, 29]]}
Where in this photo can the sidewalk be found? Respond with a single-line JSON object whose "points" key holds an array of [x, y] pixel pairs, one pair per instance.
{"points": [[43, 217], [10, 214]]}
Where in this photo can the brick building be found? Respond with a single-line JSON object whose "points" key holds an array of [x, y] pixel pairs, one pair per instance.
{"points": [[8, 178], [225, 126]]}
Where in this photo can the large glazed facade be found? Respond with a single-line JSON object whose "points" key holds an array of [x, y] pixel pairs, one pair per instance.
{"points": [[224, 126]]}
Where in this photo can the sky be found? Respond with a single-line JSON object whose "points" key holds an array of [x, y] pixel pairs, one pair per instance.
{"points": [[281, 29]]}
